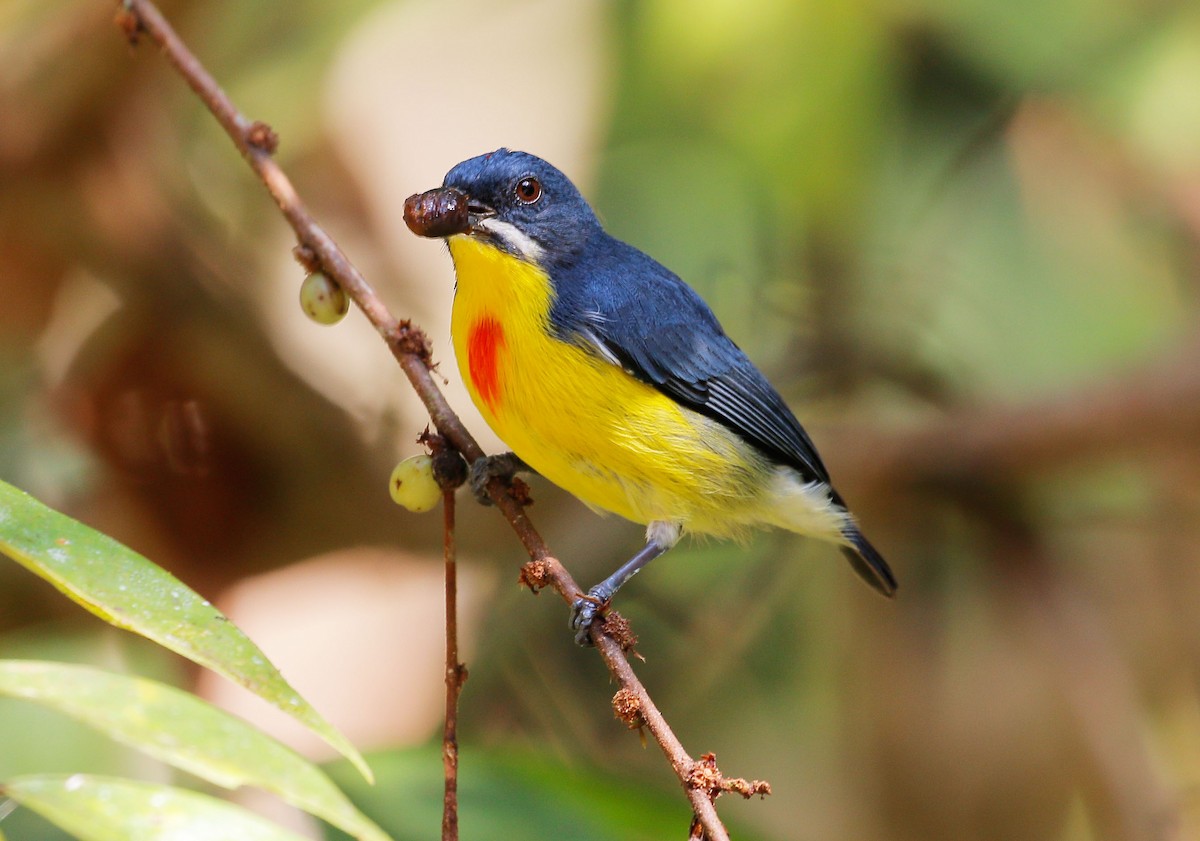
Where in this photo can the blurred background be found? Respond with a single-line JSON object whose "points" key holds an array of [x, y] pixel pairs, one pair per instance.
{"points": [[961, 237]]}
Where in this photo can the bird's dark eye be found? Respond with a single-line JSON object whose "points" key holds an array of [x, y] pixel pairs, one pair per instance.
{"points": [[528, 190]]}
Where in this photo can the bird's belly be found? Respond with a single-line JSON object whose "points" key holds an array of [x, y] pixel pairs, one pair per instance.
{"points": [[612, 441]]}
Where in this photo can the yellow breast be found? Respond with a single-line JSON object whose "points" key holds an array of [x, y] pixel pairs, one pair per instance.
{"points": [[583, 423]]}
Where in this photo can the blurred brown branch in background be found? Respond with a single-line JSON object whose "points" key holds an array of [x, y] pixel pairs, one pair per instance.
{"points": [[256, 141], [982, 457], [1154, 408]]}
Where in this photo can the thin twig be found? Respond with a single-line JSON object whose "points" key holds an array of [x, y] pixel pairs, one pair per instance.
{"points": [[456, 673], [409, 345]]}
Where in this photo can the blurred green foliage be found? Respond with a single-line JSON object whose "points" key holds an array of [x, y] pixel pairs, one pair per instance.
{"points": [[906, 211], [513, 793]]}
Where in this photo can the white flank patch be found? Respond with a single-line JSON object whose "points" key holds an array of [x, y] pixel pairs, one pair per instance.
{"points": [[805, 507], [663, 533], [595, 344]]}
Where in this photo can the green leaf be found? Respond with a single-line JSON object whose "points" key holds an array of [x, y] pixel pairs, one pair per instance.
{"points": [[186, 732], [128, 591], [6, 809], [96, 808]]}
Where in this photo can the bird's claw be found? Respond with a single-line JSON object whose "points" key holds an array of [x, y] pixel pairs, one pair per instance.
{"points": [[483, 470], [583, 613]]}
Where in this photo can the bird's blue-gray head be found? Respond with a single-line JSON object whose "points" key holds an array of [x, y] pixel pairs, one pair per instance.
{"points": [[513, 200]]}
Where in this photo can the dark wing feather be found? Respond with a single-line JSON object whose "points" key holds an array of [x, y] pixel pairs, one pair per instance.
{"points": [[632, 310]]}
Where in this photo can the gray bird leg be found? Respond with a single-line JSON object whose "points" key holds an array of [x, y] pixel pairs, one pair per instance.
{"points": [[660, 537]]}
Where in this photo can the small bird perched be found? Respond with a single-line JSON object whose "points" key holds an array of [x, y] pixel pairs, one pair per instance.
{"points": [[608, 375]]}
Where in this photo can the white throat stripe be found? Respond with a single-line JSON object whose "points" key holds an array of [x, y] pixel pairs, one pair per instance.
{"points": [[514, 238]]}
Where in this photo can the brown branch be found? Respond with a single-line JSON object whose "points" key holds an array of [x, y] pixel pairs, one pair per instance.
{"points": [[450, 473], [456, 672], [409, 345], [1155, 407]]}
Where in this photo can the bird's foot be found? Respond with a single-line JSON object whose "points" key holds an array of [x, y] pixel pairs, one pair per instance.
{"points": [[584, 612], [483, 470]]}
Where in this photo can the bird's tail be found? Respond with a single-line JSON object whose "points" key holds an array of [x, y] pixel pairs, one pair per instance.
{"points": [[867, 562]]}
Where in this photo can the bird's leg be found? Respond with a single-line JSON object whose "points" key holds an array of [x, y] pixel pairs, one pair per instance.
{"points": [[503, 466], [660, 536]]}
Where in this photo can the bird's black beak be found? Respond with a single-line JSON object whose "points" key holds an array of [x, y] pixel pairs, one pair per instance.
{"points": [[444, 212]]}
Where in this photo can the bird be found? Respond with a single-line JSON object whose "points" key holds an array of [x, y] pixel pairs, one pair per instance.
{"points": [[608, 375]]}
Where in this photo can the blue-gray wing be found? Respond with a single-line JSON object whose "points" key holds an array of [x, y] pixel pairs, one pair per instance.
{"points": [[639, 315]]}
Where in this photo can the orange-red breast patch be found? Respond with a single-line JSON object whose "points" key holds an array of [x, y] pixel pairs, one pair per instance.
{"points": [[485, 344]]}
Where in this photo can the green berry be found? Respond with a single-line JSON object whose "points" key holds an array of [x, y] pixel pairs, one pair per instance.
{"points": [[323, 300], [413, 486]]}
